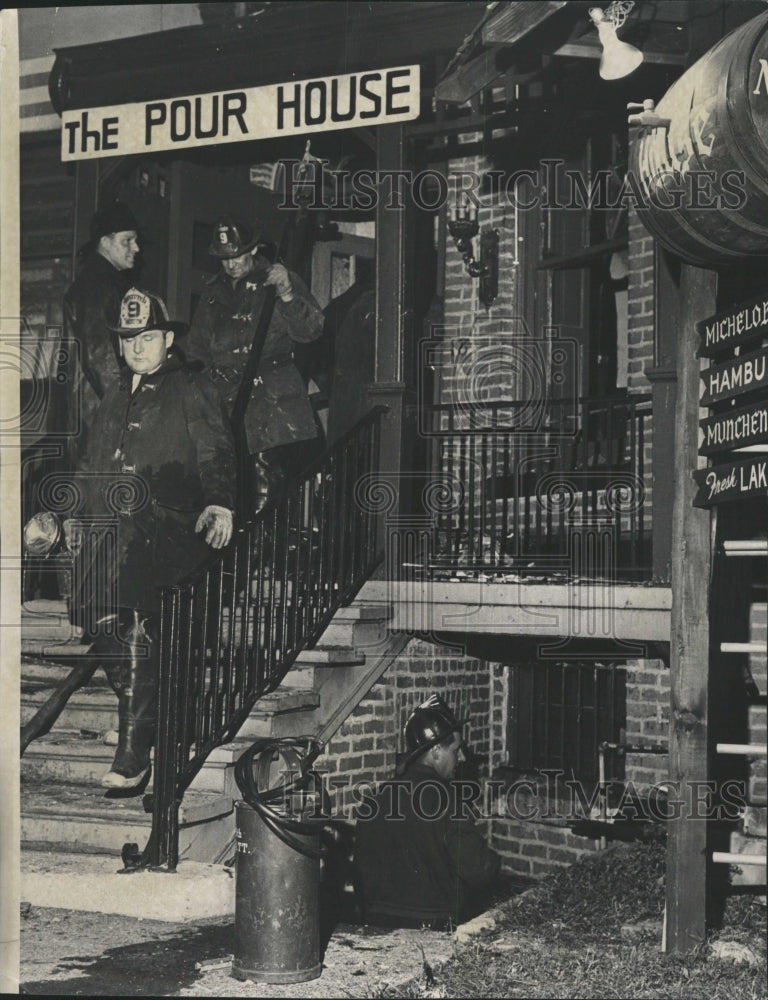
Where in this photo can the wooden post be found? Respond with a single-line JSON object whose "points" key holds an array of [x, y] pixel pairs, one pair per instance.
{"points": [[393, 313], [663, 378], [686, 880]]}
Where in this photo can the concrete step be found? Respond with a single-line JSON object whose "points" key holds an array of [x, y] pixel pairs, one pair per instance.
{"points": [[310, 664], [62, 651], [69, 816], [92, 708], [97, 883], [64, 756], [45, 621], [285, 712], [45, 606], [326, 654], [44, 672], [363, 626]]}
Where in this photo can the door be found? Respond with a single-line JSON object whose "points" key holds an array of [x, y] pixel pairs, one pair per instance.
{"points": [[199, 195]]}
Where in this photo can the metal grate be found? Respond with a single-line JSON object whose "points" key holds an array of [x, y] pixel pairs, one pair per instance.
{"points": [[529, 493], [559, 713]]}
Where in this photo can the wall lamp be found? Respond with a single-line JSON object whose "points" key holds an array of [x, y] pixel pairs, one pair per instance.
{"points": [[463, 227], [619, 59]]}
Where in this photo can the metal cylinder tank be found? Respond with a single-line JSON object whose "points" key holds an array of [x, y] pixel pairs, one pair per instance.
{"points": [[277, 928]]}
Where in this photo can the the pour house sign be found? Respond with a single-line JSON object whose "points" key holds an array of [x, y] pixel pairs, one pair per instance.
{"points": [[372, 97]]}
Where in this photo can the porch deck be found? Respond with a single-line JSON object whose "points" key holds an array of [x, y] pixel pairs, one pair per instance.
{"points": [[590, 609]]}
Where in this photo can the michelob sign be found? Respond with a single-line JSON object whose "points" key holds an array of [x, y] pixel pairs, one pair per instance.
{"points": [[373, 97]]}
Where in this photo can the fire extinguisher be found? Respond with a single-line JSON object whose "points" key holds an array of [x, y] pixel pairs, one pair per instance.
{"points": [[277, 913]]}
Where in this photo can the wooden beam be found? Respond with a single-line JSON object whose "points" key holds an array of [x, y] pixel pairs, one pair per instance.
{"points": [[589, 50], [687, 869], [393, 314], [514, 20]]}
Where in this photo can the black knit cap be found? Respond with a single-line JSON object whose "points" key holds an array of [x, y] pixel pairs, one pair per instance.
{"points": [[114, 217]]}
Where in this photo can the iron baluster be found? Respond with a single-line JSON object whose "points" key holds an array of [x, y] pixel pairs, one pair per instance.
{"points": [[209, 681]]}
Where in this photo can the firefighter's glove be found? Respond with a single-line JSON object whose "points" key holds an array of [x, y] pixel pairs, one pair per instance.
{"points": [[278, 276], [218, 525]]}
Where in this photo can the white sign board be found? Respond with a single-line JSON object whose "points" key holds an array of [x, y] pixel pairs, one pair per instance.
{"points": [[373, 97]]}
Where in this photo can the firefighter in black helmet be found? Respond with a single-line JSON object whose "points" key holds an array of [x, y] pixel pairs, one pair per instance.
{"points": [[420, 856], [280, 426]]}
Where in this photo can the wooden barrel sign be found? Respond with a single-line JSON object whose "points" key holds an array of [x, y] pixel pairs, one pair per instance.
{"points": [[704, 180]]}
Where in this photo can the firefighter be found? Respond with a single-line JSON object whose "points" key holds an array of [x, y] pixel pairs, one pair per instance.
{"points": [[161, 460], [280, 424], [419, 855], [93, 299]]}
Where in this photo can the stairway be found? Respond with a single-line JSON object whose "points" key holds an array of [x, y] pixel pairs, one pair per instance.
{"points": [[63, 805]]}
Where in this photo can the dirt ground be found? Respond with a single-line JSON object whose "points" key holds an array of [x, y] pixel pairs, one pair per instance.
{"points": [[72, 953]]}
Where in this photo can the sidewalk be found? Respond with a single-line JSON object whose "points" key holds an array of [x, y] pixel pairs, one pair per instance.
{"points": [[76, 953]]}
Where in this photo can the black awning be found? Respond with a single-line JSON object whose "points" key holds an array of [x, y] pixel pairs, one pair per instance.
{"points": [[280, 42]]}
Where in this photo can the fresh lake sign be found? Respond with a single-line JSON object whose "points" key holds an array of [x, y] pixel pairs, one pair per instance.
{"points": [[732, 481]]}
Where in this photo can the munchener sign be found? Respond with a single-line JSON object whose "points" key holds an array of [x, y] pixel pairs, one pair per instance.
{"points": [[373, 97], [731, 481], [735, 377], [735, 429], [735, 327]]}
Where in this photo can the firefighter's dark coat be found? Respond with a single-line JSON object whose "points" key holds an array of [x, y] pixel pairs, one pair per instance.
{"points": [[279, 411], [91, 306], [421, 856], [157, 457]]}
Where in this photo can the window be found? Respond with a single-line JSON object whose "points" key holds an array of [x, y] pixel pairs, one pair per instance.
{"points": [[584, 261], [559, 713]]}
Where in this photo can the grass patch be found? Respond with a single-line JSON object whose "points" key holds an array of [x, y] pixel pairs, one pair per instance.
{"points": [[563, 939]]}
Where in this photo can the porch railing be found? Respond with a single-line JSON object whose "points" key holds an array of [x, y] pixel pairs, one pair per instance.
{"points": [[230, 634], [563, 491]]}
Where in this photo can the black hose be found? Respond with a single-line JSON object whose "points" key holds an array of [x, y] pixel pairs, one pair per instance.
{"points": [[305, 751]]}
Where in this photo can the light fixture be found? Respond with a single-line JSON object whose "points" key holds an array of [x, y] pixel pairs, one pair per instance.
{"points": [[463, 227], [619, 59]]}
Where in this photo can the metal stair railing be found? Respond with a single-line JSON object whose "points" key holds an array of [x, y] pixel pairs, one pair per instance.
{"points": [[230, 633]]}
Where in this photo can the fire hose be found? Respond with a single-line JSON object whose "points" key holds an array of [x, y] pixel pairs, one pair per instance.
{"points": [[298, 754]]}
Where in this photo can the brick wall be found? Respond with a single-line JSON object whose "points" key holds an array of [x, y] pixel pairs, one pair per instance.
{"points": [[537, 846], [647, 720], [366, 746], [640, 305], [484, 364]]}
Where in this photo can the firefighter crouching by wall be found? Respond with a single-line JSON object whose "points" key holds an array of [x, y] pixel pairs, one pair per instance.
{"points": [[163, 427], [420, 857], [280, 425]]}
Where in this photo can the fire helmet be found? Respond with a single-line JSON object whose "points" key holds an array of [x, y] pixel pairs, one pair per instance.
{"points": [[429, 724], [141, 310], [231, 238]]}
